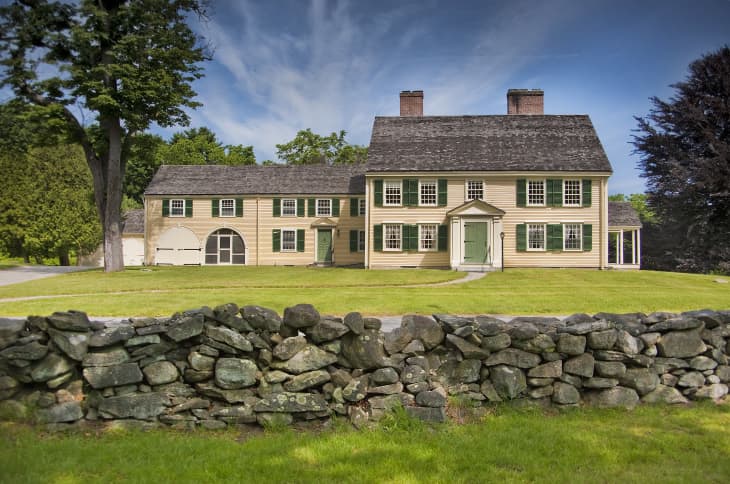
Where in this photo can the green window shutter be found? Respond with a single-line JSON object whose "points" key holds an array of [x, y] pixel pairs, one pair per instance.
{"points": [[378, 189], [555, 237], [277, 207], [521, 192], [521, 235], [353, 240], [554, 190], [442, 187], [312, 207], [443, 238], [300, 240], [188, 207], [276, 240], [239, 207], [587, 193], [300, 207], [410, 192], [166, 207], [354, 207], [378, 237], [409, 237], [587, 237], [335, 207], [214, 207]]}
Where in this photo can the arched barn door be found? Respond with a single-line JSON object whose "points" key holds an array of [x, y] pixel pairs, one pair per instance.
{"points": [[225, 246], [177, 246]]}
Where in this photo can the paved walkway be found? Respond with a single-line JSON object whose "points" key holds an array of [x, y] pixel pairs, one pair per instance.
{"points": [[470, 276], [31, 273]]}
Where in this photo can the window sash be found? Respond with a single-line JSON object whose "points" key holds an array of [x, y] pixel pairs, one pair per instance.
{"points": [[177, 207], [427, 237], [288, 240], [324, 207], [572, 193], [361, 206], [427, 193], [536, 236], [227, 207], [361, 241], [572, 237], [535, 193], [392, 194], [474, 190], [289, 207], [392, 236]]}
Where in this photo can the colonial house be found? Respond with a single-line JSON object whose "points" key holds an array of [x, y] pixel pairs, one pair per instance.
{"points": [[463, 192]]}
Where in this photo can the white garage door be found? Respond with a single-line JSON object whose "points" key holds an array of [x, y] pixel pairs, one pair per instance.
{"points": [[177, 246]]}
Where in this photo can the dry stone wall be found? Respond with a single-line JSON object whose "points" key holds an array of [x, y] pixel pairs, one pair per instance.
{"points": [[229, 365]]}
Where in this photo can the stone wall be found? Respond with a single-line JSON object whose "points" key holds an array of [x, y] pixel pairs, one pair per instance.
{"points": [[223, 366]]}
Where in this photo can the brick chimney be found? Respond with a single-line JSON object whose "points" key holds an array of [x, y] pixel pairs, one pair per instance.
{"points": [[411, 103], [525, 101]]}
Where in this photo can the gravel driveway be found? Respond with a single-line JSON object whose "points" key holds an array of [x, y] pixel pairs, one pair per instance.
{"points": [[31, 273]]}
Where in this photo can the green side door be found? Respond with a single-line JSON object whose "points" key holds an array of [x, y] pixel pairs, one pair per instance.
{"points": [[324, 245], [475, 243]]}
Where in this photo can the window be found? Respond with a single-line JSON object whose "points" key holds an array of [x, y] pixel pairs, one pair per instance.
{"points": [[427, 234], [228, 207], [392, 190], [361, 241], [474, 190], [392, 236], [536, 237], [572, 237], [361, 206], [288, 240], [427, 193], [177, 208], [571, 193], [289, 207], [324, 207], [535, 192]]}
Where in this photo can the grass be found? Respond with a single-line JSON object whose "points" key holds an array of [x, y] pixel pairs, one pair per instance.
{"points": [[162, 291], [650, 444]]}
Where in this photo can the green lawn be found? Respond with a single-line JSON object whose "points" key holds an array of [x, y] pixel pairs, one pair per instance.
{"points": [[649, 444], [161, 291]]}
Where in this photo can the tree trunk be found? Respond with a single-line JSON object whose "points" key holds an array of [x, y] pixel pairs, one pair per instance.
{"points": [[112, 220], [63, 258]]}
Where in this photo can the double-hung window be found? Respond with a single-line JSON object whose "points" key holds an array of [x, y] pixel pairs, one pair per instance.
{"points": [[427, 237], [361, 241], [288, 240], [392, 193], [289, 207], [361, 206], [572, 236], [535, 193], [474, 190], [324, 207], [228, 207], [571, 193], [427, 193], [535, 236], [392, 239], [177, 208]]}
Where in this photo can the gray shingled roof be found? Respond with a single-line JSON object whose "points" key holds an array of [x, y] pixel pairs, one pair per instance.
{"points": [[622, 214], [486, 143], [133, 221], [258, 180]]}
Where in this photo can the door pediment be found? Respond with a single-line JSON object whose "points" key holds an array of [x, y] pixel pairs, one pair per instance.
{"points": [[324, 223], [476, 208]]}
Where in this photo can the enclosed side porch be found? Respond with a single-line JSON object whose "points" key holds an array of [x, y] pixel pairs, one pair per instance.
{"points": [[624, 236]]}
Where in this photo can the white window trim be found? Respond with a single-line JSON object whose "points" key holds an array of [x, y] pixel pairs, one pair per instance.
{"points": [[466, 189], [385, 191], [580, 192], [316, 207], [435, 237], [385, 238], [361, 237], [295, 207], [544, 192], [362, 207], [544, 237], [281, 242], [172, 201], [436, 192], [580, 237], [220, 207]]}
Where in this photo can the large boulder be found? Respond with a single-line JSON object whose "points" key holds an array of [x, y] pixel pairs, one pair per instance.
{"points": [[424, 329], [301, 316], [582, 365], [50, 367], [307, 359], [112, 376], [571, 344], [643, 380], [326, 329], [681, 344], [398, 338], [261, 318], [69, 321], [73, 344], [141, 406], [508, 381], [664, 394], [186, 328], [235, 373], [565, 394], [354, 321], [364, 350]]}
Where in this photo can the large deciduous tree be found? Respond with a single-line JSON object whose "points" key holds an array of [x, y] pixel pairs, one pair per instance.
{"points": [[309, 148], [128, 62], [684, 144]]}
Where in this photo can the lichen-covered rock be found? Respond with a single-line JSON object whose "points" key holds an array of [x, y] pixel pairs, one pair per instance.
{"points": [[508, 381], [261, 318], [602, 340], [235, 373], [110, 336], [326, 330], [200, 362], [364, 350], [587, 327], [301, 316], [63, 412], [582, 365], [185, 328], [467, 349], [552, 369], [489, 326], [628, 344], [356, 389], [288, 402], [513, 357], [386, 389], [664, 394], [307, 380], [229, 337], [467, 371], [160, 373], [427, 414], [702, 363], [565, 394], [431, 399], [570, 344], [395, 340], [542, 343], [642, 380], [73, 344], [597, 382], [691, 379], [50, 367], [384, 376], [715, 391], [677, 324], [100, 377], [70, 321], [307, 359], [453, 323], [354, 321], [413, 374], [681, 344], [8, 387], [522, 330], [613, 397], [141, 406], [106, 357], [289, 347]]}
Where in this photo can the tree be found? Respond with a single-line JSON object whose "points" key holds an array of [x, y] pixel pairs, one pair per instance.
{"points": [[639, 202], [142, 163], [199, 146], [684, 144], [130, 63], [308, 148]]}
